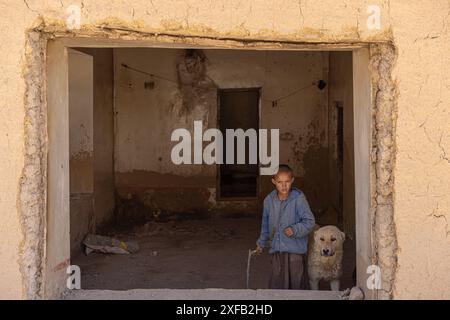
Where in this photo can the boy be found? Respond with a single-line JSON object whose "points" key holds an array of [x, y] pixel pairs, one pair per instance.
{"points": [[287, 221]]}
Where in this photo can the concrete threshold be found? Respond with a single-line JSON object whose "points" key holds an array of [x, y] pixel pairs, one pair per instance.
{"points": [[202, 294]]}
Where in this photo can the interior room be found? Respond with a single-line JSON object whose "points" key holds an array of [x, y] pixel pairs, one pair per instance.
{"points": [[195, 223]]}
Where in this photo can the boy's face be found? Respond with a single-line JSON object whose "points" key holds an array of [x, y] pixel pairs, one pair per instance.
{"points": [[283, 182]]}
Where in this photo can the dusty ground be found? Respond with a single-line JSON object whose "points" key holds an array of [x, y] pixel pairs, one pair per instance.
{"points": [[190, 254]]}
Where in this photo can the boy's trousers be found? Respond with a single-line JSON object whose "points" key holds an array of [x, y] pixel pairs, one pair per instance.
{"points": [[288, 271]]}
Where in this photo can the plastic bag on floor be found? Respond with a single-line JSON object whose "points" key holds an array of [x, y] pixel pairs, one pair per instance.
{"points": [[103, 244]]}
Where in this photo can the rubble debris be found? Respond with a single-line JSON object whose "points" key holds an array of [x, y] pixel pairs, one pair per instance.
{"points": [[103, 244]]}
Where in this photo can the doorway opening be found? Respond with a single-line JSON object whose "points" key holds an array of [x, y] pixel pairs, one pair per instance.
{"points": [[238, 109], [139, 194]]}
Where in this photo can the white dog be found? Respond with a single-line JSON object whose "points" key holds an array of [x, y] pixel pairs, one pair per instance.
{"points": [[325, 252]]}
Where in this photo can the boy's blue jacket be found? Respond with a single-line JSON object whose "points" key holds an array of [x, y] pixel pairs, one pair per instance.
{"points": [[279, 214]]}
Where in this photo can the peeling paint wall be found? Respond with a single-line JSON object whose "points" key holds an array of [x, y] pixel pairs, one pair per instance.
{"points": [[419, 31], [185, 90]]}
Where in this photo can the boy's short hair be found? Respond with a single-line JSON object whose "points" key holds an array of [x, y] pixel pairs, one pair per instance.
{"points": [[284, 168]]}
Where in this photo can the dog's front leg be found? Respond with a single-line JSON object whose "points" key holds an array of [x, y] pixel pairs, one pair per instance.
{"points": [[314, 284], [334, 284]]}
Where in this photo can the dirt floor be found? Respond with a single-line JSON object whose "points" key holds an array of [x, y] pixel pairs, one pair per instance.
{"points": [[189, 254]]}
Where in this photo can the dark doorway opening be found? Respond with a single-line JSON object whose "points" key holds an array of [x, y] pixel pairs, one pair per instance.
{"points": [[238, 109]]}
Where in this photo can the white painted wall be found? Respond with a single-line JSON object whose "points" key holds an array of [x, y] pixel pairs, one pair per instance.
{"points": [[81, 146], [81, 121]]}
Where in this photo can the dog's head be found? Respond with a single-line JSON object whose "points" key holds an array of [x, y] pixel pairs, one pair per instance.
{"points": [[329, 239]]}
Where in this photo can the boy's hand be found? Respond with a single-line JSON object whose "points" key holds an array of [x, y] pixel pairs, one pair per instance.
{"points": [[258, 250], [289, 232]]}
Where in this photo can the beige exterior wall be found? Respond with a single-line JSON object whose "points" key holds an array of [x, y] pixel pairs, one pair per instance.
{"points": [[420, 31]]}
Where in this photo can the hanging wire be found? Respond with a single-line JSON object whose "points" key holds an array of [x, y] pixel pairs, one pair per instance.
{"points": [[165, 79], [275, 101], [320, 84], [147, 73]]}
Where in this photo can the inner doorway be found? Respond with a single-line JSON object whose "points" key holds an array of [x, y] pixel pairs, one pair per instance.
{"points": [[238, 109]]}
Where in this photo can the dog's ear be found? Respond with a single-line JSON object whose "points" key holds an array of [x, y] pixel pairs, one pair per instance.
{"points": [[342, 236], [315, 235]]}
